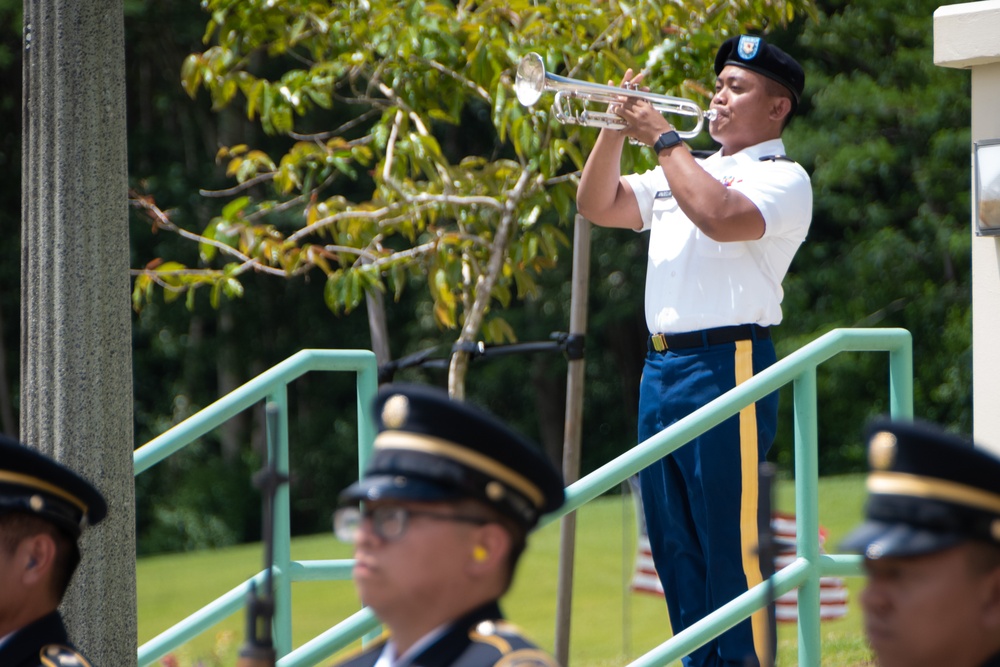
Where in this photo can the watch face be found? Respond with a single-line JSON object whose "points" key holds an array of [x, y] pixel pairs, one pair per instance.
{"points": [[666, 140]]}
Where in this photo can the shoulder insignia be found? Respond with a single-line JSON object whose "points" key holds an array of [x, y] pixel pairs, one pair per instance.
{"points": [[488, 632], [775, 158], [514, 649], [60, 655]]}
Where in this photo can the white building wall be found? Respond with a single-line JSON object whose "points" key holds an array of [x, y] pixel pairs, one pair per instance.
{"points": [[967, 36]]}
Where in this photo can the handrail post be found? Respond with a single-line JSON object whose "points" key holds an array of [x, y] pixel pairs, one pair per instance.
{"points": [[807, 513], [367, 388], [282, 532], [901, 380]]}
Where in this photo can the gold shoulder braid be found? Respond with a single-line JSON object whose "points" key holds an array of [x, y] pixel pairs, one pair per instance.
{"points": [[58, 655], [498, 634]]}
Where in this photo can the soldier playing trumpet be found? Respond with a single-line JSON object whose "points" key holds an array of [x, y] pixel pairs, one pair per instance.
{"points": [[723, 232]]}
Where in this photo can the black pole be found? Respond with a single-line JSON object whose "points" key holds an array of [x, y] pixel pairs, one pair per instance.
{"points": [[258, 648]]}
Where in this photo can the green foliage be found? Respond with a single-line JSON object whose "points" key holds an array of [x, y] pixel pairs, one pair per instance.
{"points": [[885, 136], [466, 186], [188, 505], [10, 199]]}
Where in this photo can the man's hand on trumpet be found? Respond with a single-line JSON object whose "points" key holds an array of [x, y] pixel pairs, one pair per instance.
{"points": [[644, 123]]}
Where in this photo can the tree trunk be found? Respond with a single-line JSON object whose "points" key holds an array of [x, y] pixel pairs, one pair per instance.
{"points": [[474, 316]]}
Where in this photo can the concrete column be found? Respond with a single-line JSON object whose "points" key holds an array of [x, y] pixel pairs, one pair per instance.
{"points": [[965, 37], [76, 354]]}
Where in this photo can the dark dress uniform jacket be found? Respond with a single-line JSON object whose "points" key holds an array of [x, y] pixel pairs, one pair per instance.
{"points": [[478, 639], [41, 644]]}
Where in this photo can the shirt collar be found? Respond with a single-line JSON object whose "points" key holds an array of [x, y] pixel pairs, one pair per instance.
{"points": [[388, 657], [755, 152]]}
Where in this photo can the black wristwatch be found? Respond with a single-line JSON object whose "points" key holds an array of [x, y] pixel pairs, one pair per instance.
{"points": [[666, 140]]}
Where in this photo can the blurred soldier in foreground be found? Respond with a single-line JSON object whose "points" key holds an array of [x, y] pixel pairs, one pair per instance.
{"points": [[449, 497], [931, 542], [44, 507]]}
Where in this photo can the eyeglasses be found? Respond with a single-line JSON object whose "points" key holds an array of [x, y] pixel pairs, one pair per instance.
{"points": [[389, 522]]}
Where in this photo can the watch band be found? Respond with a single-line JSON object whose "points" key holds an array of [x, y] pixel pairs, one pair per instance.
{"points": [[666, 140]]}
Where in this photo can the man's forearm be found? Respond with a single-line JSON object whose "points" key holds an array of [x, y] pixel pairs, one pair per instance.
{"points": [[597, 197]]}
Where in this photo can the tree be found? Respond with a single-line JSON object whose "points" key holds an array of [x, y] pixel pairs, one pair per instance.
{"points": [[10, 169], [885, 136], [407, 155]]}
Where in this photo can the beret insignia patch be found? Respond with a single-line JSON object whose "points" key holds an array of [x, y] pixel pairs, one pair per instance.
{"points": [[748, 47]]}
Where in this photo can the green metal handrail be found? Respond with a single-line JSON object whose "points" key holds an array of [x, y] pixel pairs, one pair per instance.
{"points": [[799, 368], [271, 385]]}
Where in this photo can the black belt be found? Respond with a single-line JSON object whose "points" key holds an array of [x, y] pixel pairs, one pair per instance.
{"points": [[662, 342]]}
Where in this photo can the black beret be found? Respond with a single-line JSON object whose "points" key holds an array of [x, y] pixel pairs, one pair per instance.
{"points": [[753, 53], [430, 448], [927, 490], [32, 483]]}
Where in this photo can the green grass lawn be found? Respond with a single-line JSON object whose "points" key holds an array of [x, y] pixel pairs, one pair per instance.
{"points": [[610, 625]]}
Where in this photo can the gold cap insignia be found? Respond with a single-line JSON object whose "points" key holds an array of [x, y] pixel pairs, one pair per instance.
{"points": [[882, 450], [495, 491], [395, 411], [37, 503]]}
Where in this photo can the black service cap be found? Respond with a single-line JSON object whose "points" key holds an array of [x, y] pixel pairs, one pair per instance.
{"points": [[928, 490], [430, 447], [753, 53], [32, 483]]}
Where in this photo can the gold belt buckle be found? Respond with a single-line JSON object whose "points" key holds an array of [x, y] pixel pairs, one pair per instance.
{"points": [[659, 342]]}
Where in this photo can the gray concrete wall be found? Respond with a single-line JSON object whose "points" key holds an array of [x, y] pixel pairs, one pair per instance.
{"points": [[76, 358]]}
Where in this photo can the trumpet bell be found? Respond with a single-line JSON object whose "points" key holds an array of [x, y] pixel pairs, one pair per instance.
{"points": [[530, 81]]}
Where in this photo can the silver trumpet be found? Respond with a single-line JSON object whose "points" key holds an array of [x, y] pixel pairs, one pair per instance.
{"points": [[532, 80]]}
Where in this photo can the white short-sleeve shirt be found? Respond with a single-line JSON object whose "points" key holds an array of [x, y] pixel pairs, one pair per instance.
{"points": [[693, 282]]}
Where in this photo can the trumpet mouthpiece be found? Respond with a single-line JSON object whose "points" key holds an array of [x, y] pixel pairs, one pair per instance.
{"points": [[711, 114]]}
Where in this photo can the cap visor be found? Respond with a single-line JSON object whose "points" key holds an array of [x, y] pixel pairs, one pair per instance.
{"points": [[396, 487], [877, 539]]}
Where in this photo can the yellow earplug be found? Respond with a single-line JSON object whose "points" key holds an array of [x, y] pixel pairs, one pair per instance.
{"points": [[479, 553]]}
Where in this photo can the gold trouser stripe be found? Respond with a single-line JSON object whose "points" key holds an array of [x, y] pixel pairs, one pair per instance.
{"points": [[33, 482], [419, 442], [904, 484], [749, 538]]}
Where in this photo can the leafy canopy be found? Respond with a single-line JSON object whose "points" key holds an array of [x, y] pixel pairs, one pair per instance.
{"points": [[405, 155]]}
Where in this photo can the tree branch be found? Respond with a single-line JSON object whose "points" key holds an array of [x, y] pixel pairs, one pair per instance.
{"points": [[484, 287]]}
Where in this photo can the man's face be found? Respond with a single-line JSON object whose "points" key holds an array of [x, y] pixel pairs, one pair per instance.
{"points": [[742, 103], [11, 590], [405, 577], [924, 610]]}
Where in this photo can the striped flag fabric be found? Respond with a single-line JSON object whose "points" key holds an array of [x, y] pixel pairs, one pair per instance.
{"points": [[833, 591]]}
